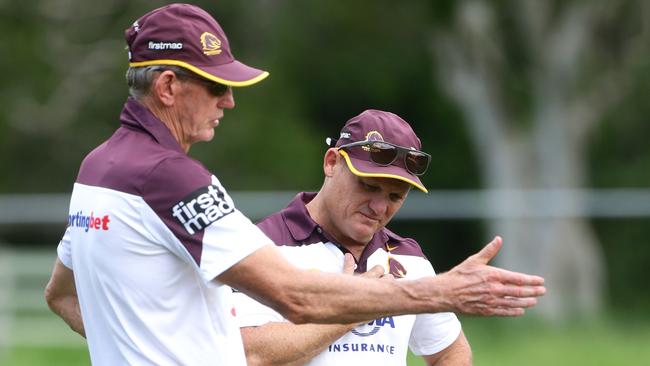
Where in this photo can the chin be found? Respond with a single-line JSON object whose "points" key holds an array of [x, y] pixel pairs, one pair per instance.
{"points": [[364, 236], [207, 136]]}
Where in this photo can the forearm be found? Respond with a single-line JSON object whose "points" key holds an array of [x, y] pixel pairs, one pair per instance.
{"points": [[325, 298], [314, 297], [289, 344], [61, 297], [68, 309]]}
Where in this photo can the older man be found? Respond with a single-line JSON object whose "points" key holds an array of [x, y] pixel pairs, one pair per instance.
{"points": [[154, 239], [368, 175]]}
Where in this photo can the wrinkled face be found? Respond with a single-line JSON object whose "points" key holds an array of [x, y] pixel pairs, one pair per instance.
{"points": [[199, 111], [358, 207]]}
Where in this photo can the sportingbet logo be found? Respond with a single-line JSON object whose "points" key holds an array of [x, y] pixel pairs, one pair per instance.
{"points": [[373, 327], [88, 222], [203, 207]]}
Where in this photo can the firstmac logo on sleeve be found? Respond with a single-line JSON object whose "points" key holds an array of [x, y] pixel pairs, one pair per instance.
{"points": [[203, 207]]}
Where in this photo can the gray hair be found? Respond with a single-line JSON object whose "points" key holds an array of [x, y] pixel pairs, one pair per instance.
{"points": [[139, 79]]}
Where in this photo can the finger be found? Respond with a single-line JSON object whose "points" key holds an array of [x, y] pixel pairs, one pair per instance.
{"points": [[515, 302], [482, 309], [504, 312], [517, 278], [516, 291], [348, 264], [387, 277], [489, 251], [374, 272]]}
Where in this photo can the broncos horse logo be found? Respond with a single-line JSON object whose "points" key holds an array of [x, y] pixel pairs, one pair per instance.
{"points": [[211, 44]]}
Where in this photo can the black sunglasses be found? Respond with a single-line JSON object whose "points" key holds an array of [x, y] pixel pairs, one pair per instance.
{"points": [[214, 88], [385, 153]]}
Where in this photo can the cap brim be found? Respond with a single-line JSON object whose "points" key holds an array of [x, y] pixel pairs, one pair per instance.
{"points": [[363, 168], [233, 73]]}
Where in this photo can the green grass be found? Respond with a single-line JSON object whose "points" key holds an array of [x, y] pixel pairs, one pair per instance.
{"points": [[47, 356], [507, 342], [498, 342]]}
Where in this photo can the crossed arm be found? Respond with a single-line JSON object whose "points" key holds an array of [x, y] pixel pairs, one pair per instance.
{"points": [[282, 343]]}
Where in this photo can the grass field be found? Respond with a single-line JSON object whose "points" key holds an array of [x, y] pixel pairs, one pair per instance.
{"points": [[498, 342]]}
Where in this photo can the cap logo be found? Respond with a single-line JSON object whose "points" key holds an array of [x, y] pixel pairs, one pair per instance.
{"points": [[162, 45], [211, 44], [372, 136]]}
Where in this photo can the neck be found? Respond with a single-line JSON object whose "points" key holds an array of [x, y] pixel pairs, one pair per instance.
{"points": [[318, 210], [169, 118]]}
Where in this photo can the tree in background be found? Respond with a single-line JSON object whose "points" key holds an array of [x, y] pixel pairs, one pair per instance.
{"points": [[533, 79]]}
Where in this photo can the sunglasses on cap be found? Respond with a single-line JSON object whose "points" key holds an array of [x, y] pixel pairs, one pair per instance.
{"points": [[385, 153], [214, 88]]}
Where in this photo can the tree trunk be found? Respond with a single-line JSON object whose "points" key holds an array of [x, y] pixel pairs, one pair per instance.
{"points": [[528, 161]]}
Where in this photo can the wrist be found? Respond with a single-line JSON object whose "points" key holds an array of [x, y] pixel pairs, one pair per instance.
{"points": [[429, 295]]}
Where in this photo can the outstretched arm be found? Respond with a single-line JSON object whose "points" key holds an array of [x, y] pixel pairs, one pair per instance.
{"points": [[473, 287], [61, 297]]}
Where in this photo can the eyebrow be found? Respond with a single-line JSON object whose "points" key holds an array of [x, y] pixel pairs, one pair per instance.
{"points": [[398, 189]]}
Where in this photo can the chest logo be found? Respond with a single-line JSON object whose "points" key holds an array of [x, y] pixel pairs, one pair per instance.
{"points": [[373, 327]]}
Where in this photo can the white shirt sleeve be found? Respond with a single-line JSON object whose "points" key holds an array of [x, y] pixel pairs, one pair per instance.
{"points": [[432, 333], [64, 250], [227, 241], [250, 313]]}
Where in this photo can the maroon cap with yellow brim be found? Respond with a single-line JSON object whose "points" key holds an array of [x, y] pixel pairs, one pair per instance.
{"points": [[187, 36], [376, 125]]}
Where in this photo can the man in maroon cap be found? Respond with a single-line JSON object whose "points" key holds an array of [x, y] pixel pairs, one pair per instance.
{"points": [[368, 175], [154, 240]]}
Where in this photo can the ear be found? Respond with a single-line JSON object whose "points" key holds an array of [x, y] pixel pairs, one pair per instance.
{"points": [[330, 160], [165, 88]]}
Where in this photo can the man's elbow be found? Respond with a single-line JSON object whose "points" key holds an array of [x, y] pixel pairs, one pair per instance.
{"points": [[299, 310], [298, 313], [254, 359], [53, 298]]}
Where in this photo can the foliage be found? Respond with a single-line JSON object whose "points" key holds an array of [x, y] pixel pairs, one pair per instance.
{"points": [[66, 86]]}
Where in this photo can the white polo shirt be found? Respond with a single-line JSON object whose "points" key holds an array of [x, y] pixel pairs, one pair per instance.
{"points": [[149, 230], [383, 341]]}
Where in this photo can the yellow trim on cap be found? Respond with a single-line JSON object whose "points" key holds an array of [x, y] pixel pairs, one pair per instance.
{"points": [[196, 70], [379, 175]]}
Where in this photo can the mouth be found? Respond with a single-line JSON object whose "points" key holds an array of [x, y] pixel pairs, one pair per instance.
{"points": [[369, 218]]}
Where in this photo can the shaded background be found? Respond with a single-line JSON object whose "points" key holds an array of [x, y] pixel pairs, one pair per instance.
{"points": [[517, 98]]}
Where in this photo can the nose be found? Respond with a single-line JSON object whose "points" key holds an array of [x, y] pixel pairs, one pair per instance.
{"points": [[378, 206], [227, 101]]}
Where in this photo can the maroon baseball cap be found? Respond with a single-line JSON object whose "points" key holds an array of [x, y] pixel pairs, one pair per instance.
{"points": [[187, 36], [375, 125]]}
